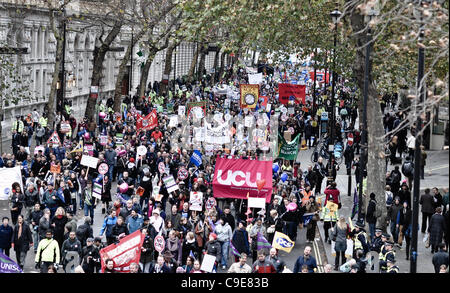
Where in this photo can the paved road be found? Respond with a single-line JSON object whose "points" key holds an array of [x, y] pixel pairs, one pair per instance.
{"points": [[437, 175]]}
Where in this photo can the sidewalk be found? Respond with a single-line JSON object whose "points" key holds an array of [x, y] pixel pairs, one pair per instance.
{"points": [[436, 174]]}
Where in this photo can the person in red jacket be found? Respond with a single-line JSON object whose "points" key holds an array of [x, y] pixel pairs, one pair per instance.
{"points": [[333, 194], [262, 265]]}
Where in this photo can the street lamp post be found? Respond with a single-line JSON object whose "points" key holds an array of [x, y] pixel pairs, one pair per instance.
{"points": [[335, 15], [417, 151], [371, 13]]}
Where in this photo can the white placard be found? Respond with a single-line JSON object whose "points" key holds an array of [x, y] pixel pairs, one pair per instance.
{"points": [[196, 201], [218, 117], [255, 78], [248, 122], [141, 150], [291, 110], [89, 161], [257, 202], [8, 176], [170, 183], [208, 263], [181, 110], [173, 122]]}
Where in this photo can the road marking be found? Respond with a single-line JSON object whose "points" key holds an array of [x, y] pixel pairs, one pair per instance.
{"points": [[437, 168], [318, 257]]}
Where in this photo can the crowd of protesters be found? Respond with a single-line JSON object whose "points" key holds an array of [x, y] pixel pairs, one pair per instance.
{"points": [[44, 214]]}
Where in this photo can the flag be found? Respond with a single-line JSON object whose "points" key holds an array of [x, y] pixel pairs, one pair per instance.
{"points": [[234, 250], [307, 218], [7, 265], [78, 148], [191, 254], [355, 204], [288, 150], [196, 158], [283, 242], [148, 122], [262, 242]]}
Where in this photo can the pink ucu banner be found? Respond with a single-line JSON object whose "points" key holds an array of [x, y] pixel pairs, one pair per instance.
{"points": [[234, 178]]}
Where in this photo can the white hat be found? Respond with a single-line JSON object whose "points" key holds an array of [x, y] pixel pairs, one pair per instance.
{"points": [[156, 211]]}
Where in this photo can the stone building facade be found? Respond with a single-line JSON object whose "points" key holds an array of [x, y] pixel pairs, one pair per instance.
{"points": [[30, 29]]}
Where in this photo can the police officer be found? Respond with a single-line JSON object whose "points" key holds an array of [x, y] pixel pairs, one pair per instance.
{"points": [[385, 254], [360, 239], [377, 242], [391, 267]]}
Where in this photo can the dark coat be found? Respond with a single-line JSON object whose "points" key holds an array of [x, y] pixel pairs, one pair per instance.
{"points": [[22, 243], [186, 250], [370, 215], [147, 256], [119, 229], [440, 258], [427, 202], [240, 241], [5, 236], [437, 228], [214, 248]]}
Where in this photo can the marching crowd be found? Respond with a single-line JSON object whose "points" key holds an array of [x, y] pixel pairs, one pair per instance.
{"points": [[44, 213]]}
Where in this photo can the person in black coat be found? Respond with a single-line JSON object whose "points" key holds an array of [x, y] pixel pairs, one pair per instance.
{"points": [[440, 258], [189, 245], [405, 227], [58, 223], [437, 228], [119, 229], [22, 240], [90, 257], [240, 239], [370, 215]]}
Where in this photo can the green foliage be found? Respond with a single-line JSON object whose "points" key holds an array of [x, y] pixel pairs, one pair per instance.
{"points": [[12, 87]]}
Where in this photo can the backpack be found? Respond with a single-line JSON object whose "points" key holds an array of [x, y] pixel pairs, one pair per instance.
{"points": [[396, 178], [390, 199], [408, 169], [81, 233]]}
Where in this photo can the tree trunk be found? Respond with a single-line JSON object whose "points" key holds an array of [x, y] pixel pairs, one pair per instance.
{"points": [[97, 71], [168, 66], [376, 164], [123, 70], [222, 65], [201, 65], [216, 63], [50, 106], [193, 62], [145, 71]]}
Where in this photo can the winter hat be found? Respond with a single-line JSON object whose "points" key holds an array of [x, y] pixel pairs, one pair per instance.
{"points": [[214, 235]]}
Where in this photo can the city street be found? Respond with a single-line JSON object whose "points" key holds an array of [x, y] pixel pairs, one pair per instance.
{"points": [[437, 174]]}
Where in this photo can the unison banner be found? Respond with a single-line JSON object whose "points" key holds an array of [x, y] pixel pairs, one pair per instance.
{"points": [[286, 90], [235, 178], [7, 265], [128, 250], [288, 150]]}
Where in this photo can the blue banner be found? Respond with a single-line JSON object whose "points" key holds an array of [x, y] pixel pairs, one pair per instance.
{"points": [[196, 158]]}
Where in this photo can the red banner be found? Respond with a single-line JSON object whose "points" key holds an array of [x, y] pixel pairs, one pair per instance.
{"points": [[148, 122], [286, 90], [234, 178], [320, 76], [127, 251]]}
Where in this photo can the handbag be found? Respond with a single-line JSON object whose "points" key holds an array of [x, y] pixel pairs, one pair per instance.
{"points": [[271, 230]]}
